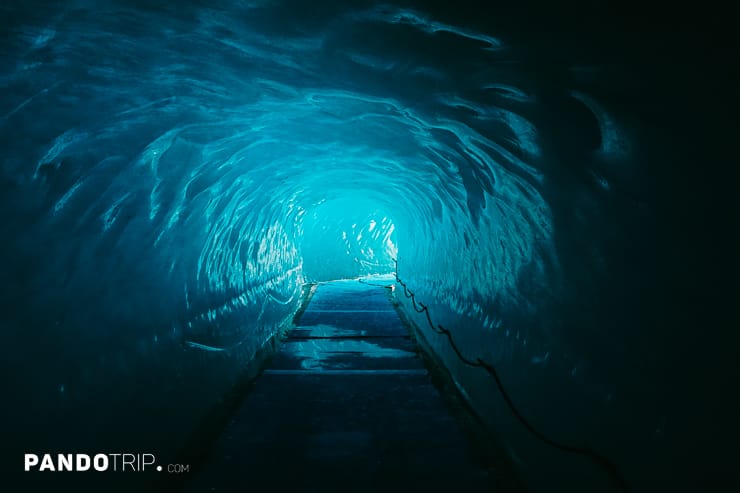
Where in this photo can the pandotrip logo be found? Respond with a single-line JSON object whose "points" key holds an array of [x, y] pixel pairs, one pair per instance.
{"points": [[112, 462]]}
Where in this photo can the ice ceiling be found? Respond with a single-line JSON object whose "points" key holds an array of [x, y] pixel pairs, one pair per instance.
{"points": [[222, 151]]}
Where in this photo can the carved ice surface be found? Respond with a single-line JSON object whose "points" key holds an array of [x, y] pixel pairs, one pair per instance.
{"points": [[173, 173]]}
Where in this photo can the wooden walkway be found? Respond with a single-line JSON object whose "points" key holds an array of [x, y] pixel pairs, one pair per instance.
{"points": [[346, 405]]}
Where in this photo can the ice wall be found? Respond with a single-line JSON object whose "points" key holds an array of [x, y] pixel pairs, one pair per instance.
{"points": [[171, 174]]}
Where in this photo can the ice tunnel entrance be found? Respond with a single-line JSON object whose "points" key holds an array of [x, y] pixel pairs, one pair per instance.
{"points": [[345, 238]]}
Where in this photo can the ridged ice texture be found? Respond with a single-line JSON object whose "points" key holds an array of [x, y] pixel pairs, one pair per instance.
{"points": [[176, 173], [198, 141]]}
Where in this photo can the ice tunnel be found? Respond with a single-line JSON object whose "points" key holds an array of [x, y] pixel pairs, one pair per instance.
{"points": [[549, 180]]}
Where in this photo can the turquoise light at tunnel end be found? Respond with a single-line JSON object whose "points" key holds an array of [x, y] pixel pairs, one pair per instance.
{"points": [[347, 237]]}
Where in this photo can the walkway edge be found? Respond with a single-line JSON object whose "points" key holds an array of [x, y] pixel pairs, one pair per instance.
{"points": [[462, 409], [204, 436]]}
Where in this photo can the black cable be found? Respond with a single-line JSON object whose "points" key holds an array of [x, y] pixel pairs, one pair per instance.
{"points": [[595, 457]]}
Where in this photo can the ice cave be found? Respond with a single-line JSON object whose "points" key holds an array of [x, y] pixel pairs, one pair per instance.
{"points": [[181, 182]]}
